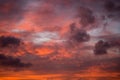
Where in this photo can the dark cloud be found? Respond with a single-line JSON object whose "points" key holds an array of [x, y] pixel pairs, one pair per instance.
{"points": [[6, 41], [11, 45], [113, 9], [101, 47], [109, 6], [11, 62], [78, 35], [86, 16], [111, 41], [112, 5], [105, 43]]}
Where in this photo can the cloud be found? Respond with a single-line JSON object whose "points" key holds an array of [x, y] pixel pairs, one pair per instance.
{"points": [[48, 22], [13, 46], [86, 17], [75, 64], [105, 64], [77, 35], [101, 47], [11, 62], [108, 42], [113, 65], [11, 10], [46, 36], [109, 6], [113, 9], [6, 41]]}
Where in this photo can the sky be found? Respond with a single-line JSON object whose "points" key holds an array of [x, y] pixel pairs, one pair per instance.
{"points": [[59, 39]]}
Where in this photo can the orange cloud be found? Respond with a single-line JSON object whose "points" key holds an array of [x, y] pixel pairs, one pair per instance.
{"points": [[44, 51]]}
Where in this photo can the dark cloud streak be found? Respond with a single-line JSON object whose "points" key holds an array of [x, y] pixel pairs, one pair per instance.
{"points": [[6, 41], [11, 62]]}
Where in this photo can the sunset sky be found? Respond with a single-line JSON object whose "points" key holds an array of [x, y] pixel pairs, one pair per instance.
{"points": [[59, 39]]}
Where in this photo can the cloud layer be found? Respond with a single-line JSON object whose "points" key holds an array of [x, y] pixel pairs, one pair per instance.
{"points": [[58, 36]]}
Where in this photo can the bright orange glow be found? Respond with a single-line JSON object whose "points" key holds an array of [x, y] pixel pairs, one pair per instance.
{"points": [[44, 51], [29, 75]]}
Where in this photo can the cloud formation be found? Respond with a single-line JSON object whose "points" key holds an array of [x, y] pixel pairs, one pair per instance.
{"points": [[59, 35], [11, 62], [6, 41], [113, 9], [86, 17], [11, 10], [77, 35], [102, 46]]}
